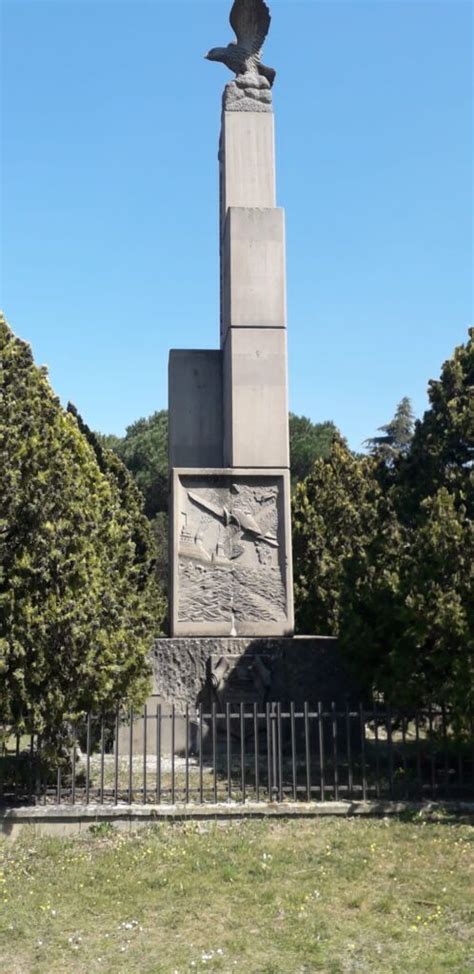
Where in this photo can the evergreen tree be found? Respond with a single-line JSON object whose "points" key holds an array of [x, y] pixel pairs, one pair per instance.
{"points": [[337, 511], [308, 442], [442, 453], [397, 435], [144, 451], [408, 606], [76, 562]]}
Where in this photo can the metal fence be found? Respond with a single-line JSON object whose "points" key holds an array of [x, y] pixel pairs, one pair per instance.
{"points": [[246, 752]]}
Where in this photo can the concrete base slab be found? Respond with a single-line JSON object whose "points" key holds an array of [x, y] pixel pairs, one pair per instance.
{"points": [[61, 820]]}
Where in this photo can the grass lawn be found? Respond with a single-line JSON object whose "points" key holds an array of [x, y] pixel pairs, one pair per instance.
{"points": [[268, 897]]}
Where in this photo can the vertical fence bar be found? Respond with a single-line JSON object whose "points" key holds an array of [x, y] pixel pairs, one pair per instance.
{"points": [[335, 751], [40, 785], [445, 751], [30, 767], [432, 754], [255, 751], [307, 747], [145, 749], [228, 751], [242, 751], [362, 748], [201, 793], [322, 783], [377, 751], [73, 768], [390, 750], [58, 785], [130, 759], [280, 757], [419, 780], [116, 756], [472, 747], [269, 751], [460, 768], [102, 759], [274, 753], [158, 754], [350, 780], [17, 763], [214, 750], [173, 731], [404, 755], [293, 749], [88, 758], [186, 755]]}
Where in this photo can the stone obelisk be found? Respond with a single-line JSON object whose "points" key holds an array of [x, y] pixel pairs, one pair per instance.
{"points": [[231, 572]]}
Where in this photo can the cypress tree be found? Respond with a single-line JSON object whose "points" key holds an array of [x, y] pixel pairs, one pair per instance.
{"points": [[78, 605]]}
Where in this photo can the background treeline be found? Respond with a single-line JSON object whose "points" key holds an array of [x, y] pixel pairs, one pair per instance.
{"points": [[383, 547]]}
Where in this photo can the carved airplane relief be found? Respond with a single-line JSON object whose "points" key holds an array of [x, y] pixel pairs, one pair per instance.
{"points": [[227, 549]]}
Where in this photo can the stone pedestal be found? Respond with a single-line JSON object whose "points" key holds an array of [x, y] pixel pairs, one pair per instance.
{"points": [[190, 671]]}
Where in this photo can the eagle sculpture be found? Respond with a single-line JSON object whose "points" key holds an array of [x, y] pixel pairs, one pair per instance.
{"points": [[250, 21]]}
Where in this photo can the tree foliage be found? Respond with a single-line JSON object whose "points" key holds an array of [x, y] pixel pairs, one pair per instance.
{"points": [[336, 512], [308, 442], [144, 451], [78, 606], [396, 435], [387, 562]]}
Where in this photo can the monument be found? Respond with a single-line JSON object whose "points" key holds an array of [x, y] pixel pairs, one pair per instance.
{"points": [[229, 443], [231, 585]]}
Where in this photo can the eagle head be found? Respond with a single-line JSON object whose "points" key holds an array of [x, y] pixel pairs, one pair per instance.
{"points": [[215, 54]]}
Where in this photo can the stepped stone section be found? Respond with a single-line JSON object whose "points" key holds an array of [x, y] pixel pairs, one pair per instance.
{"points": [[195, 408]]}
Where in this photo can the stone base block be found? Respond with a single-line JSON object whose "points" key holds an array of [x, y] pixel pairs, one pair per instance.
{"points": [[255, 398], [253, 259], [190, 670]]}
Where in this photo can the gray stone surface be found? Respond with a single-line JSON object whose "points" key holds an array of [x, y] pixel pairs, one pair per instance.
{"points": [[247, 161], [231, 549], [256, 398], [253, 269], [248, 94], [64, 820], [301, 668], [195, 408]]}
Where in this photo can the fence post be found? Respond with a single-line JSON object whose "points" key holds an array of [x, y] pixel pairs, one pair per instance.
{"points": [[307, 752]]}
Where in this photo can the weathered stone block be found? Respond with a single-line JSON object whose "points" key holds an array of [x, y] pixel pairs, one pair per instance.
{"points": [[195, 408], [231, 553], [255, 398], [247, 160], [298, 669], [253, 262]]}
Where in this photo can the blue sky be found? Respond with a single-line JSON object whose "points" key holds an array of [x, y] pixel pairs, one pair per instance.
{"points": [[110, 121]]}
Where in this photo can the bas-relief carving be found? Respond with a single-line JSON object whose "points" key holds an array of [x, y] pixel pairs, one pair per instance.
{"points": [[231, 565], [251, 92]]}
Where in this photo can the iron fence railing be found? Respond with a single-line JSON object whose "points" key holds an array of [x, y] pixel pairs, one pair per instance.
{"points": [[245, 752]]}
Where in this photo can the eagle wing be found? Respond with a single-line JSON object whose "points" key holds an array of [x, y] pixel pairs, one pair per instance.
{"points": [[250, 20]]}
